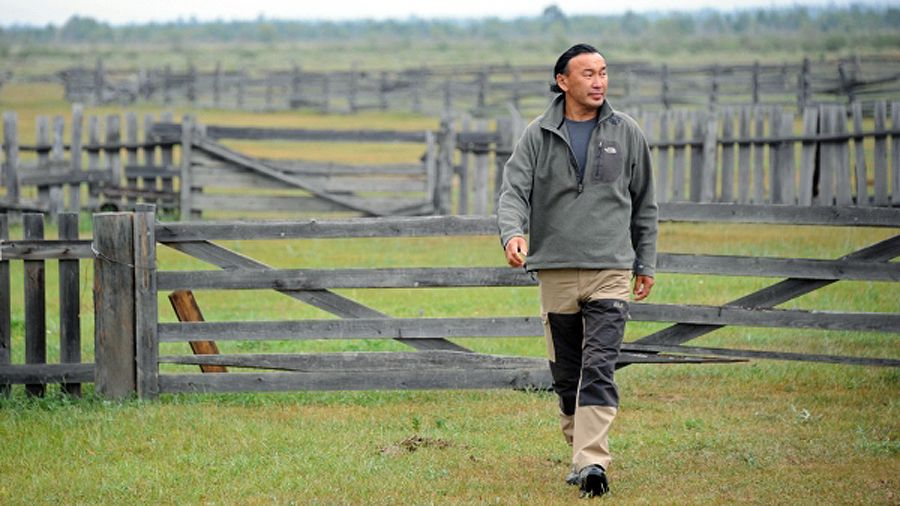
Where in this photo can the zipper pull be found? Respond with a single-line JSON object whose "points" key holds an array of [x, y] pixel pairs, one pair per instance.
{"points": [[580, 187]]}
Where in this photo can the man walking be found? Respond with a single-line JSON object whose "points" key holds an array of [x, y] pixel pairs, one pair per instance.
{"points": [[580, 180]]}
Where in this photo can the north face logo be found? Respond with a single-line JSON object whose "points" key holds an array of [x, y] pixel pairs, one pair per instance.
{"points": [[609, 150]]}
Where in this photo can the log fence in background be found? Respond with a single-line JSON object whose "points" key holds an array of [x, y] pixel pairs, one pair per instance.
{"points": [[479, 89]]}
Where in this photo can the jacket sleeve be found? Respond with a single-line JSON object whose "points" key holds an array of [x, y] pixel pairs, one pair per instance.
{"points": [[644, 211], [514, 204]]}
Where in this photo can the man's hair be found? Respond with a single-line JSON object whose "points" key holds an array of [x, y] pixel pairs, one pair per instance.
{"points": [[562, 63]]}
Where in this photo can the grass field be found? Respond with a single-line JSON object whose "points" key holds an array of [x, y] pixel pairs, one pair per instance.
{"points": [[761, 432]]}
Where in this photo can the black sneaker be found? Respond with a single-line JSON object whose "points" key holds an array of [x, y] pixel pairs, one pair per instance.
{"points": [[593, 481], [573, 478]]}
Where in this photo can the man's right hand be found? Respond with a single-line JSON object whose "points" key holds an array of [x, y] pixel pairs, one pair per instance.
{"points": [[516, 250]]}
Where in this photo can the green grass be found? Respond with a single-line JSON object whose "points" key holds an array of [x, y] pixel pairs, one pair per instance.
{"points": [[760, 432]]}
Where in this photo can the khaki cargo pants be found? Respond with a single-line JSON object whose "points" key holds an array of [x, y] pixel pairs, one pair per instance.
{"points": [[584, 313]]}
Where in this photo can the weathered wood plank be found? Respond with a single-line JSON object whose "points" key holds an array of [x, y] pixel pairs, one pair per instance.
{"points": [[308, 279], [843, 186], [767, 355], [808, 157], [744, 155], [662, 160], [786, 171], [10, 163], [827, 155], [75, 154], [728, 149], [42, 137], [70, 374], [708, 169], [679, 156], [895, 153], [69, 303], [780, 214], [880, 158], [186, 187], [68, 177], [114, 327], [5, 305], [774, 149], [385, 206], [728, 265], [204, 177], [146, 343], [862, 174], [698, 121], [35, 305], [759, 156]]}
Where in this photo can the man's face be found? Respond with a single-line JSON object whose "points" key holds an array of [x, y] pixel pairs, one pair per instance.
{"points": [[585, 81]]}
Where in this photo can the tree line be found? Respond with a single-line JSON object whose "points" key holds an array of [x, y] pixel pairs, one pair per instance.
{"points": [[827, 28]]}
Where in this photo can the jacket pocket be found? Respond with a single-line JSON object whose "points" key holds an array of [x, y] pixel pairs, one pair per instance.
{"points": [[608, 162]]}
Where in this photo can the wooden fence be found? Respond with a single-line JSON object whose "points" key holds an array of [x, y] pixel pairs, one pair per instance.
{"points": [[128, 332], [742, 155], [122, 167], [484, 89]]}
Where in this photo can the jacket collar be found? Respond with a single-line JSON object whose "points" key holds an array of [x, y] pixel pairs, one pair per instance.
{"points": [[554, 115]]}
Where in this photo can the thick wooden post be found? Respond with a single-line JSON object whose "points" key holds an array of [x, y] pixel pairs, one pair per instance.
{"points": [[774, 148], [431, 163], [35, 306], [5, 306], [145, 304], [803, 85], [744, 152], [114, 310], [11, 156], [187, 132], [69, 303], [75, 154]]}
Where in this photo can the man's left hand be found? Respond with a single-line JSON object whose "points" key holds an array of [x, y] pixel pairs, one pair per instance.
{"points": [[642, 287]]}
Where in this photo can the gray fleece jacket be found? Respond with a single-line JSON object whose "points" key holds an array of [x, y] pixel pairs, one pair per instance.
{"points": [[607, 220]]}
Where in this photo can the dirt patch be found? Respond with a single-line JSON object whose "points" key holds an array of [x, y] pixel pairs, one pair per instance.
{"points": [[413, 443]]}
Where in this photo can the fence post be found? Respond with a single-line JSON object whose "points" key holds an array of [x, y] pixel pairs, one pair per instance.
{"points": [[35, 305], [5, 306], [114, 327], [755, 82], [69, 303], [94, 161], [42, 136], [75, 154], [145, 303], [862, 186], [442, 202], [808, 157], [697, 138], [294, 101], [217, 84], [98, 82], [187, 132], [880, 157], [167, 78], [895, 153], [710, 150], [11, 157], [665, 87], [803, 85]]}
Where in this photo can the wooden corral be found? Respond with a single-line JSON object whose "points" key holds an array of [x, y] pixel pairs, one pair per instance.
{"points": [[128, 330]]}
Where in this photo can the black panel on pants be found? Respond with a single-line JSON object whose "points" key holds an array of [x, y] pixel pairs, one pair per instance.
{"points": [[567, 332], [604, 328]]}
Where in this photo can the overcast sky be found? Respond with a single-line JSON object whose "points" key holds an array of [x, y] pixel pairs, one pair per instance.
{"points": [[42, 12]]}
